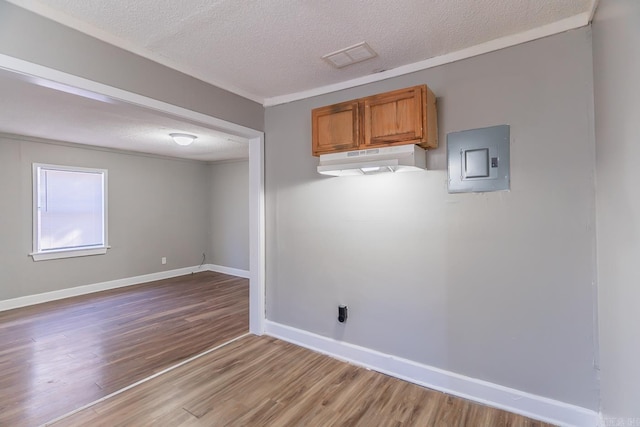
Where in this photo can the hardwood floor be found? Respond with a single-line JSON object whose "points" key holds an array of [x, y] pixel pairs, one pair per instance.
{"points": [[59, 356], [261, 381]]}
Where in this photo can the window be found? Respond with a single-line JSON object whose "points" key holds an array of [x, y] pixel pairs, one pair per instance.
{"points": [[69, 212]]}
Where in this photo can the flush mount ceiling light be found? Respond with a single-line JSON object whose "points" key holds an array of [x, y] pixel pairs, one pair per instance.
{"points": [[183, 138], [350, 55]]}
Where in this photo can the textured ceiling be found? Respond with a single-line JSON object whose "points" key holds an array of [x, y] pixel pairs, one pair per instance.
{"points": [[267, 50], [30, 109], [271, 48]]}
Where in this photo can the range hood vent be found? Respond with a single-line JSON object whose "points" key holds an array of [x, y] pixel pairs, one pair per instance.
{"points": [[401, 158]]}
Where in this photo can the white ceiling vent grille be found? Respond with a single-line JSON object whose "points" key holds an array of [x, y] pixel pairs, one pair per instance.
{"points": [[350, 55]]}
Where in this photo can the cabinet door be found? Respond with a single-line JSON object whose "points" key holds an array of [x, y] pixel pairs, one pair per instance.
{"points": [[335, 128], [396, 118]]}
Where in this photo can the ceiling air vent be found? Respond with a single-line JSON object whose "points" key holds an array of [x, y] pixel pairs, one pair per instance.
{"points": [[350, 55]]}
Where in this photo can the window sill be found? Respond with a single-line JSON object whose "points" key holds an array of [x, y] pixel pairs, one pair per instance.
{"points": [[68, 253]]}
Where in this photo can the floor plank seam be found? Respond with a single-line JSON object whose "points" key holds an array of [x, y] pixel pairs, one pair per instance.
{"points": [[144, 380], [190, 413]]}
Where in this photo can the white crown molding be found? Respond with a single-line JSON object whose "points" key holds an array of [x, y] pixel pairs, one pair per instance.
{"points": [[567, 24], [484, 392], [93, 31]]}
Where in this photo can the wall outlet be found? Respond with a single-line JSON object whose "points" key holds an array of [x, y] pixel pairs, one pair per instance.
{"points": [[342, 313], [164, 260]]}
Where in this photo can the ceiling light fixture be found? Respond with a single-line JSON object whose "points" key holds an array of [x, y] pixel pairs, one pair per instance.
{"points": [[183, 138]]}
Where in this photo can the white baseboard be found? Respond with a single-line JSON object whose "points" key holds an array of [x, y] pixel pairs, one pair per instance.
{"points": [[227, 270], [96, 287], [516, 401]]}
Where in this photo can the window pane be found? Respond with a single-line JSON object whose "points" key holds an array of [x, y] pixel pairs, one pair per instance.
{"points": [[71, 209]]}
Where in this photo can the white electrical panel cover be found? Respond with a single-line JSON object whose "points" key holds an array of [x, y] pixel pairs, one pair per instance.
{"points": [[478, 160]]}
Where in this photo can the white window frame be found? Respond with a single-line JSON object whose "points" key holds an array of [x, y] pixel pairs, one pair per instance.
{"points": [[41, 255]]}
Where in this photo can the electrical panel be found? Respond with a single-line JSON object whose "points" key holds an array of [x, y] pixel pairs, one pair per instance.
{"points": [[478, 160]]}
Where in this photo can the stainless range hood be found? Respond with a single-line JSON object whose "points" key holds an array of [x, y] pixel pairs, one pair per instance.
{"points": [[400, 158]]}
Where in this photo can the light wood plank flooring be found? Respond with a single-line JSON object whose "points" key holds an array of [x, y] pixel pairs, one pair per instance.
{"points": [[59, 356], [261, 381]]}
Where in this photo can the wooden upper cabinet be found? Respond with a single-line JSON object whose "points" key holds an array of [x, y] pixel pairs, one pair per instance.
{"points": [[405, 116], [397, 117], [336, 128]]}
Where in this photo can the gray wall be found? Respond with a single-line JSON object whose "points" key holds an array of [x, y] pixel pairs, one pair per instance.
{"points": [[229, 198], [157, 207], [496, 286], [30, 37], [616, 59]]}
